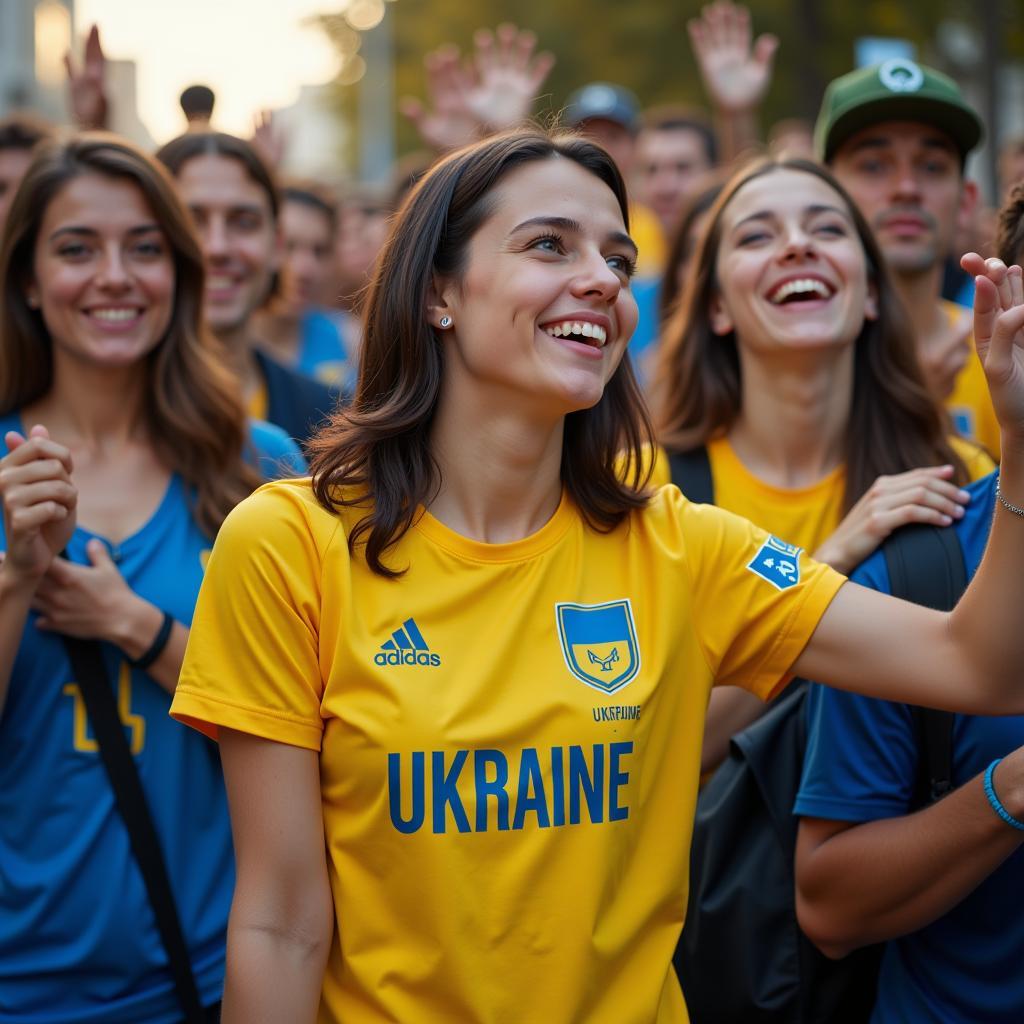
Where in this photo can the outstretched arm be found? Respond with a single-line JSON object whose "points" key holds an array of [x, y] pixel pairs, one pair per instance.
{"points": [[968, 660]]}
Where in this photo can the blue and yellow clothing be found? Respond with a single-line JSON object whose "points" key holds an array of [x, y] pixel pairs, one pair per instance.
{"points": [[292, 401], [861, 765], [970, 404], [78, 940], [805, 516], [509, 737], [322, 353]]}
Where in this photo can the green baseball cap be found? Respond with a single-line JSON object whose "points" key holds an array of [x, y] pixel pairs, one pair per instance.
{"points": [[896, 90]]}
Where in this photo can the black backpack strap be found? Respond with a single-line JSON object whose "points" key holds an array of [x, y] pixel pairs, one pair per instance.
{"points": [[926, 566], [691, 473], [90, 674]]}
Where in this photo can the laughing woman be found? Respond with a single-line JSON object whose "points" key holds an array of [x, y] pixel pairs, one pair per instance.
{"points": [[122, 440], [479, 835], [791, 363]]}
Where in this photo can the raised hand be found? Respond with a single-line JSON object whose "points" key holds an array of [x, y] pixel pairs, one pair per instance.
{"points": [[918, 496], [87, 93], [942, 362], [506, 77], [493, 90], [39, 502], [269, 139], [736, 74], [999, 337]]}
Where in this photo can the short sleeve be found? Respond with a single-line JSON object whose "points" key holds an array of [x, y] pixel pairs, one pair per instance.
{"points": [[252, 660], [861, 758], [756, 599]]}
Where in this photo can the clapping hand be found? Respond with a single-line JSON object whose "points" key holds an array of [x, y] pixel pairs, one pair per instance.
{"points": [[39, 502], [493, 90], [999, 338], [736, 73]]}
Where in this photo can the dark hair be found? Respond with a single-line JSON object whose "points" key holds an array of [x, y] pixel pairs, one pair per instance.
{"points": [[178, 152], [672, 118], [24, 132], [313, 197], [894, 423], [1009, 243], [193, 410], [197, 101], [379, 446], [681, 249]]}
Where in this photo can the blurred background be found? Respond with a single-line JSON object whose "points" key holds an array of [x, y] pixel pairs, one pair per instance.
{"points": [[333, 72]]}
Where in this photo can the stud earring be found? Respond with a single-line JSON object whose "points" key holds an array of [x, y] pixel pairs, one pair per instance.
{"points": [[446, 321]]}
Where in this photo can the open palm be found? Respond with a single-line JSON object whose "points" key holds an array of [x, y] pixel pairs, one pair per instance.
{"points": [[999, 335], [736, 73]]}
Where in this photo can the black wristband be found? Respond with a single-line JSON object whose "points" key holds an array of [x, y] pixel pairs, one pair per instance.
{"points": [[157, 646]]}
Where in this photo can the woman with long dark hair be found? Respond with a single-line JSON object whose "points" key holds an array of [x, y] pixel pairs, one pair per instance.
{"points": [[124, 446], [458, 678], [791, 362]]}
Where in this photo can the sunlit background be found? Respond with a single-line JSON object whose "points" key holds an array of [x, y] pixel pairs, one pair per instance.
{"points": [[332, 69]]}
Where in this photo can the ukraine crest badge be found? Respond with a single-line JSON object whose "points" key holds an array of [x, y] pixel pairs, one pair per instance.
{"points": [[599, 643]]}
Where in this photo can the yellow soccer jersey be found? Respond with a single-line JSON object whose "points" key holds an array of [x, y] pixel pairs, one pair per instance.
{"points": [[805, 516], [970, 404], [509, 738]]}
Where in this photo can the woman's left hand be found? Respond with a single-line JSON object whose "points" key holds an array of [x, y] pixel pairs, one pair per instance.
{"points": [[92, 601], [999, 337]]}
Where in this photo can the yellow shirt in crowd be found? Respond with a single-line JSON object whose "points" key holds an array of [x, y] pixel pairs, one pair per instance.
{"points": [[805, 516], [509, 737], [645, 230], [969, 403]]}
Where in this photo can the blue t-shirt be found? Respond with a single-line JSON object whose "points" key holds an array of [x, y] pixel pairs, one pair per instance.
{"points": [[78, 940], [968, 966]]}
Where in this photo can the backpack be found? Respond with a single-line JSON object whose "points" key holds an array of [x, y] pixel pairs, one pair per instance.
{"points": [[742, 958]]}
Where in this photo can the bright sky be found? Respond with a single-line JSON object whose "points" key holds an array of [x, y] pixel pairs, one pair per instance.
{"points": [[252, 53]]}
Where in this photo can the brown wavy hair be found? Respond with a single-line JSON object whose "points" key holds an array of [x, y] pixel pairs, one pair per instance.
{"points": [[894, 425], [194, 415], [378, 448]]}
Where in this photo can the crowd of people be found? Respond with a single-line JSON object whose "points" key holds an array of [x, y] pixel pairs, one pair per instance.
{"points": [[388, 575]]}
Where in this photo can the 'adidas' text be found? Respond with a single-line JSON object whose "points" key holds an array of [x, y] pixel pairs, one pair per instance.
{"points": [[407, 658], [406, 647]]}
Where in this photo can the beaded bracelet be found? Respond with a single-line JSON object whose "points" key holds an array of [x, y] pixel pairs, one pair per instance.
{"points": [[997, 806], [1008, 505]]}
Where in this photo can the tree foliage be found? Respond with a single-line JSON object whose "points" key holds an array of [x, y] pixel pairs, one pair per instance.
{"points": [[643, 44]]}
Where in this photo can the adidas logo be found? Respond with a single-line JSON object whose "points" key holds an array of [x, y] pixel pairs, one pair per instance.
{"points": [[406, 647]]}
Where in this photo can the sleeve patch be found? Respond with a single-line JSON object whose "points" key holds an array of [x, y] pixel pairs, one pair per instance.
{"points": [[778, 563]]}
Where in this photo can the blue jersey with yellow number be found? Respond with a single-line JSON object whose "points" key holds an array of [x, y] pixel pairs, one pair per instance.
{"points": [[78, 940]]}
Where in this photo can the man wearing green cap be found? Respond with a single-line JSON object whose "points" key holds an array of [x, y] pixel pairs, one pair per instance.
{"points": [[896, 135]]}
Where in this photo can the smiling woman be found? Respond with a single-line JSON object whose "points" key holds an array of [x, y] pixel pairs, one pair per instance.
{"points": [[446, 804], [791, 360], [123, 445]]}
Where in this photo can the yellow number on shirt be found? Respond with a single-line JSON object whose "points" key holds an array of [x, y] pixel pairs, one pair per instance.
{"points": [[84, 743]]}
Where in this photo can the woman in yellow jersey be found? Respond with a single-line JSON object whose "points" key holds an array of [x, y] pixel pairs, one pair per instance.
{"points": [[792, 361], [458, 678]]}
